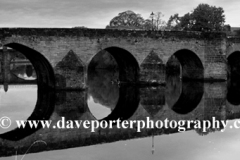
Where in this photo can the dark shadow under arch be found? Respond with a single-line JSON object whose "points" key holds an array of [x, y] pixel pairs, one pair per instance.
{"points": [[233, 94], [234, 75], [190, 97], [234, 64], [127, 64], [44, 71], [192, 67]]}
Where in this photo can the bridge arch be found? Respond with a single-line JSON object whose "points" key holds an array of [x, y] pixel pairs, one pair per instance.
{"points": [[234, 64], [234, 74], [190, 64], [44, 70], [127, 64]]}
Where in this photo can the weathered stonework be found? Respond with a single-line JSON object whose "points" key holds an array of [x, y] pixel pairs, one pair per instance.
{"points": [[70, 72], [211, 49], [152, 69]]}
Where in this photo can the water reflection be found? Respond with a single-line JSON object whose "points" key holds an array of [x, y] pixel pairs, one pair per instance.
{"points": [[105, 99], [16, 101], [152, 99], [42, 110], [97, 109], [183, 96], [16, 105], [191, 95], [234, 91], [173, 89], [103, 92]]}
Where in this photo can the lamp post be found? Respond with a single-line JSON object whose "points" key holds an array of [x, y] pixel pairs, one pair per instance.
{"points": [[151, 15]]}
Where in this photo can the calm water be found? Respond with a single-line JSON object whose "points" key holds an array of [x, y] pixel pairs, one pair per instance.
{"points": [[105, 98]]}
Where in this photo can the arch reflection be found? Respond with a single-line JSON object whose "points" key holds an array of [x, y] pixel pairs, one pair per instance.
{"points": [[183, 96], [42, 111], [108, 100], [127, 103], [234, 91], [103, 93]]}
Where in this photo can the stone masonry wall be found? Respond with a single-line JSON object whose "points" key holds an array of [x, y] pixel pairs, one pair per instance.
{"points": [[215, 60], [56, 44]]}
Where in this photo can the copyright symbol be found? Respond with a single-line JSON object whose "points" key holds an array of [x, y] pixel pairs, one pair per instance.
{"points": [[5, 122]]}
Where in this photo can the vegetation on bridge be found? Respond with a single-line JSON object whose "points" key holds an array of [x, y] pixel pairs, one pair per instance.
{"points": [[203, 18]]}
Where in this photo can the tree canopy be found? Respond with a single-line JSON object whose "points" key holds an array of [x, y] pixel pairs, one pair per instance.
{"points": [[131, 20], [173, 22], [203, 18], [127, 20], [237, 32]]}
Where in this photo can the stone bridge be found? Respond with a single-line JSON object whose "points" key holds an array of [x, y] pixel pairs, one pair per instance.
{"points": [[61, 56]]}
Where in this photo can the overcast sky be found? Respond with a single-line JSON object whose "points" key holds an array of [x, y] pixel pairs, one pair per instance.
{"points": [[98, 13]]}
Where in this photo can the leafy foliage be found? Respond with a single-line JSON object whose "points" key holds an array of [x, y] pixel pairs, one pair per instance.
{"points": [[238, 32], [203, 18], [131, 20], [127, 20], [173, 22]]}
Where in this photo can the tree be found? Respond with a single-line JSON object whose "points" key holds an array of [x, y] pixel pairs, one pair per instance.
{"points": [[148, 24], [127, 20], [203, 18], [155, 22], [180, 23], [158, 23], [173, 22], [208, 18], [237, 32], [131, 20], [227, 27], [186, 22]]}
